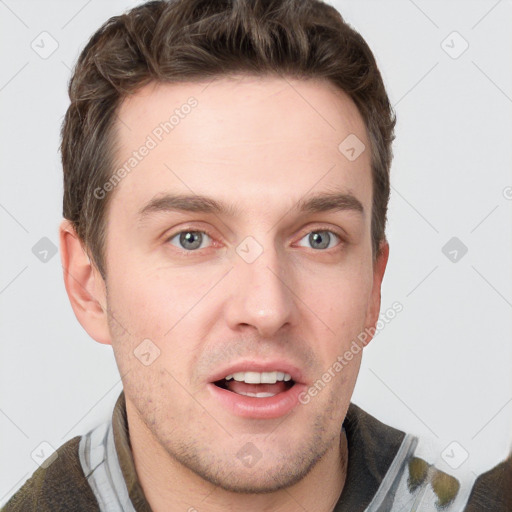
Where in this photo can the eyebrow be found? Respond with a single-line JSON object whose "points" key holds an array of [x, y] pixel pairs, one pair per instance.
{"points": [[323, 202]]}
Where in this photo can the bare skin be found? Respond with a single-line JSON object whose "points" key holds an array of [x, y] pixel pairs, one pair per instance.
{"points": [[257, 145]]}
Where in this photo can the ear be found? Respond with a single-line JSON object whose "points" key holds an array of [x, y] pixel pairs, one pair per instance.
{"points": [[84, 285], [379, 267]]}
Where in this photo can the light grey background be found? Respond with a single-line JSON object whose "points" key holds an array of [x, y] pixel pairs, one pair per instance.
{"points": [[441, 368]]}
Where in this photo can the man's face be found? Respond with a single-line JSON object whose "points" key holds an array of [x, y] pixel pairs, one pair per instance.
{"points": [[262, 285]]}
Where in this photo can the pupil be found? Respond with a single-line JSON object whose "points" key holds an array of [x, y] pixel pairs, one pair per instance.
{"points": [[191, 239], [317, 238]]}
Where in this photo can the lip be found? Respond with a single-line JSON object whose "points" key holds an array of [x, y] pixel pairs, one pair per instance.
{"points": [[260, 366], [258, 408]]}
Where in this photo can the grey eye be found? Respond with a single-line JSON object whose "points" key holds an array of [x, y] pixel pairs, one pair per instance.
{"points": [[189, 240], [321, 239]]}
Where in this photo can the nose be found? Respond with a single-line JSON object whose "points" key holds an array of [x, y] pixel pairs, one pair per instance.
{"points": [[262, 294]]}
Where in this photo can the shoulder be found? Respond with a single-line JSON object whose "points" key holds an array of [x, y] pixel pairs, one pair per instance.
{"points": [[58, 485], [393, 470], [493, 489]]}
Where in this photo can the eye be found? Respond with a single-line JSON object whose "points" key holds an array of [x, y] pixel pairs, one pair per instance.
{"points": [[321, 239], [189, 240]]}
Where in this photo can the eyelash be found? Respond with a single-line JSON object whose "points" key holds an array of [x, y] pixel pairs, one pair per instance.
{"points": [[316, 230]]}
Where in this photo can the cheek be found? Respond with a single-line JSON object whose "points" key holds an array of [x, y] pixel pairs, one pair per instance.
{"points": [[157, 303], [340, 296], [138, 305], [145, 319], [340, 301]]}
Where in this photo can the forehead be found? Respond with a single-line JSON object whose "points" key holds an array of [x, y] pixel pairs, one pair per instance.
{"points": [[245, 136]]}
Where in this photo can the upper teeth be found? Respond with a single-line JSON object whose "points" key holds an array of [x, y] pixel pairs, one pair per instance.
{"points": [[259, 377]]}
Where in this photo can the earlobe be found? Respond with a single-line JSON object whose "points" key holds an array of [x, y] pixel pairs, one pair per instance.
{"points": [[84, 285], [379, 268]]}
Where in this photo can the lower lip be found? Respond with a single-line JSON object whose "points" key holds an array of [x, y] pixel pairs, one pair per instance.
{"points": [[261, 408]]}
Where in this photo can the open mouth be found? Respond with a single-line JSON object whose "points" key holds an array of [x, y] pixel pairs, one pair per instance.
{"points": [[256, 384], [258, 395]]}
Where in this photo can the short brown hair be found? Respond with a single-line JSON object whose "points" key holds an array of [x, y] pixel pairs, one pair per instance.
{"points": [[193, 40]]}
